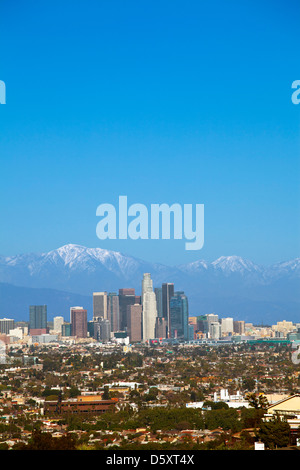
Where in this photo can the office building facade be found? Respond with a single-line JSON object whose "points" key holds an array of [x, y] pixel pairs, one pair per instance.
{"points": [[159, 304], [214, 330], [66, 329], [113, 311], [167, 293], [6, 324], [161, 328], [239, 327], [100, 304], [226, 326], [210, 318], [38, 317], [57, 324], [134, 323], [179, 316], [78, 320], [126, 297], [102, 330]]}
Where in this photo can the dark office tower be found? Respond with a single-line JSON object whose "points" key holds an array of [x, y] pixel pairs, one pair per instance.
{"points": [[126, 297], [167, 293], [202, 323], [239, 327], [158, 295], [90, 328], [191, 332], [38, 317], [6, 324], [113, 311], [66, 329], [179, 313], [79, 322], [101, 329], [134, 322], [161, 328]]}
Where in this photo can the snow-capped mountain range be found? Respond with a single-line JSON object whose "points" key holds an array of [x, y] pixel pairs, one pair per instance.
{"points": [[230, 285]]}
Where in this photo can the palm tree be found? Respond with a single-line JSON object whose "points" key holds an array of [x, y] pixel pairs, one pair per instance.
{"points": [[257, 402]]}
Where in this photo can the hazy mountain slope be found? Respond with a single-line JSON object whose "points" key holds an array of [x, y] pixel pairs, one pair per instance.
{"points": [[229, 285], [15, 301]]}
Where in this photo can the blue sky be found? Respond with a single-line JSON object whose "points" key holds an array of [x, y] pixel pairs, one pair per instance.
{"points": [[162, 101]]}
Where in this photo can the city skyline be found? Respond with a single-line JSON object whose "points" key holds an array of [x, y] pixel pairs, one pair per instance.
{"points": [[136, 315], [159, 312], [208, 327], [150, 229]]}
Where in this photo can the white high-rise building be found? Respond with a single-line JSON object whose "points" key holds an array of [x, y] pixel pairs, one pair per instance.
{"points": [[57, 323], [211, 317], [100, 304], [227, 325], [149, 308], [214, 330]]}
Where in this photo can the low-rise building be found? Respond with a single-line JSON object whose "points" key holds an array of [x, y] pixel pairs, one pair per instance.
{"points": [[82, 404]]}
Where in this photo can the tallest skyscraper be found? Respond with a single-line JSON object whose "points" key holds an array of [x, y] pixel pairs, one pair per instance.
{"points": [[149, 308]]}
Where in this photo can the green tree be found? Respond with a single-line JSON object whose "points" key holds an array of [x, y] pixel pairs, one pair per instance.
{"points": [[106, 394], [275, 433], [220, 405], [44, 441], [73, 392], [249, 384], [225, 419], [251, 417], [152, 394]]}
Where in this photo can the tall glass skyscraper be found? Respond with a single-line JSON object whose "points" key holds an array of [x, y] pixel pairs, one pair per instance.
{"points": [[167, 293], [126, 297], [37, 317], [159, 304], [179, 316], [113, 311]]}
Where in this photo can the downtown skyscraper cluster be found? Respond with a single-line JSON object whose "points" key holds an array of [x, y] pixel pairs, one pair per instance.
{"points": [[156, 313], [159, 313]]}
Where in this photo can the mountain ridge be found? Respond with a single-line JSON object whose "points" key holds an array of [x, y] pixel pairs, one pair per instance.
{"points": [[243, 288], [72, 252]]}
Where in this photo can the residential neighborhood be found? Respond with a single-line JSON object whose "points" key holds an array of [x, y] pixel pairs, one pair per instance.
{"points": [[88, 395]]}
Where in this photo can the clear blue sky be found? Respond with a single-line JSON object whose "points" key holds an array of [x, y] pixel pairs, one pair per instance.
{"points": [[162, 101]]}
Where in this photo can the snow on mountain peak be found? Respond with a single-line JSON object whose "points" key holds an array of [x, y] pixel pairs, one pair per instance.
{"points": [[73, 257], [69, 253], [234, 264], [77, 256]]}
